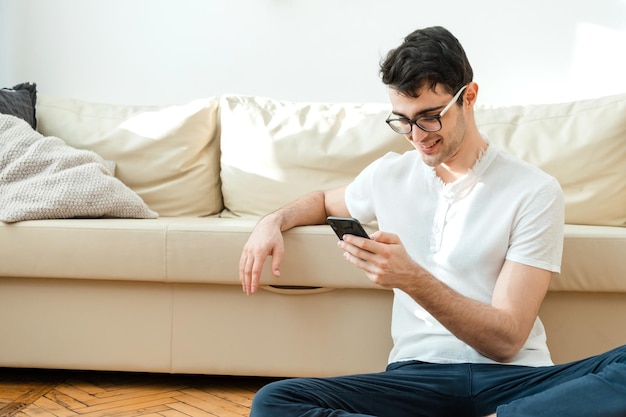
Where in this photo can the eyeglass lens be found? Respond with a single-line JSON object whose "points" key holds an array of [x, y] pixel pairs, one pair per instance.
{"points": [[429, 124]]}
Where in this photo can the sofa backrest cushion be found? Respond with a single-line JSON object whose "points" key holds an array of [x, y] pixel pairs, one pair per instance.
{"points": [[581, 143], [169, 155], [274, 151]]}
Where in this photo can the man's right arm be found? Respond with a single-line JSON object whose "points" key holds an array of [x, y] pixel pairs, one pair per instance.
{"points": [[266, 238]]}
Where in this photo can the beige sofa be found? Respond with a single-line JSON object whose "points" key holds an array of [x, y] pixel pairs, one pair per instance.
{"points": [[163, 295]]}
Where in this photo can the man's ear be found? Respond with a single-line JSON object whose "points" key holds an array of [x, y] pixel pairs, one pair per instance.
{"points": [[471, 94]]}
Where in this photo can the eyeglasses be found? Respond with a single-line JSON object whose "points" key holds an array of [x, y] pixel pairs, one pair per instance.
{"points": [[404, 126]]}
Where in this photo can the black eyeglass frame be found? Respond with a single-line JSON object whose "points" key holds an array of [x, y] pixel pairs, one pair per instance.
{"points": [[416, 121]]}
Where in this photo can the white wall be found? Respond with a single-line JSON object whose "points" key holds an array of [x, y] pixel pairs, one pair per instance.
{"points": [[168, 51]]}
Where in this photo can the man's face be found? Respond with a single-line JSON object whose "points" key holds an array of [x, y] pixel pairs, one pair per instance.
{"points": [[436, 148]]}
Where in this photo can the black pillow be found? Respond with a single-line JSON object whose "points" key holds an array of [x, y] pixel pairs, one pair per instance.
{"points": [[20, 101]]}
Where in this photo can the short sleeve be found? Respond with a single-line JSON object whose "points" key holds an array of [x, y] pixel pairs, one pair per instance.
{"points": [[360, 194], [537, 236]]}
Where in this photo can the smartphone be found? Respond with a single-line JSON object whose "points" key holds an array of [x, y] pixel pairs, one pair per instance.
{"points": [[346, 225]]}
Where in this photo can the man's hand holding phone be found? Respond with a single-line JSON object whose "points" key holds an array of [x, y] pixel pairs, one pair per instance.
{"points": [[345, 228], [382, 256]]}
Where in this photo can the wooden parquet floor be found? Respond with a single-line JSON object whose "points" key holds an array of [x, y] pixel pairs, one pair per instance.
{"points": [[52, 393]]}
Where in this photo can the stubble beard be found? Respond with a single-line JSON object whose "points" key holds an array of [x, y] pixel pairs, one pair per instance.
{"points": [[450, 146]]}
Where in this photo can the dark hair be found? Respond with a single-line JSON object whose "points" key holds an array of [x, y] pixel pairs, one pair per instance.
{"points": [[427, 57]]}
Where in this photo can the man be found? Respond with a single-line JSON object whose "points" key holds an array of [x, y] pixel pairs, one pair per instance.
{"points": [[469, 237]]}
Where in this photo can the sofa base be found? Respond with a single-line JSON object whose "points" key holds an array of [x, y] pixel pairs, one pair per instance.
{"points": [[583, 324], [215, 329], [192, 328]]}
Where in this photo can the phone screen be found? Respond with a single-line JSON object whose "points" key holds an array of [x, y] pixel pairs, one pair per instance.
{"points": [[346, 225]]}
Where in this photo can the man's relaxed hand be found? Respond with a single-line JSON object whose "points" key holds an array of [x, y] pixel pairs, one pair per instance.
{"points": [[266, 240]]}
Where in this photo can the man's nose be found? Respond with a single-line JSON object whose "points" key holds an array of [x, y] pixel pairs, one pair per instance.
{"points": [[416, 134]]}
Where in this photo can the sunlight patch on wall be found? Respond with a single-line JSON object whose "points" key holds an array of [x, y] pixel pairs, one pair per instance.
{"points": [[599, 61]]}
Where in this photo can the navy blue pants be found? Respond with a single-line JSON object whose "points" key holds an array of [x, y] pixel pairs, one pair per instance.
{"points": [[590, 387]]}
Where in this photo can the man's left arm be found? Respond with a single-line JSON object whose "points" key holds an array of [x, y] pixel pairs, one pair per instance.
{"points": [[497, 330]]}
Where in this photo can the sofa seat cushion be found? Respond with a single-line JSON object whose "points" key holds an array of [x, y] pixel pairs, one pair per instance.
{"points": [[593, 260], [125, 249], [207, 250]]}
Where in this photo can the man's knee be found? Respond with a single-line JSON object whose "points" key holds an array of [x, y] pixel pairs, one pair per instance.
{"points": [[269, 397], [615, 376]]}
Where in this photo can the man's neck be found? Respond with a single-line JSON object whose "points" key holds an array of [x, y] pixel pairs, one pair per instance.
{"points": [[464, 161]]}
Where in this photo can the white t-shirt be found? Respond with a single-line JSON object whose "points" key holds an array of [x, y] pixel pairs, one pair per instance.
{"points": [[462, 233]]}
